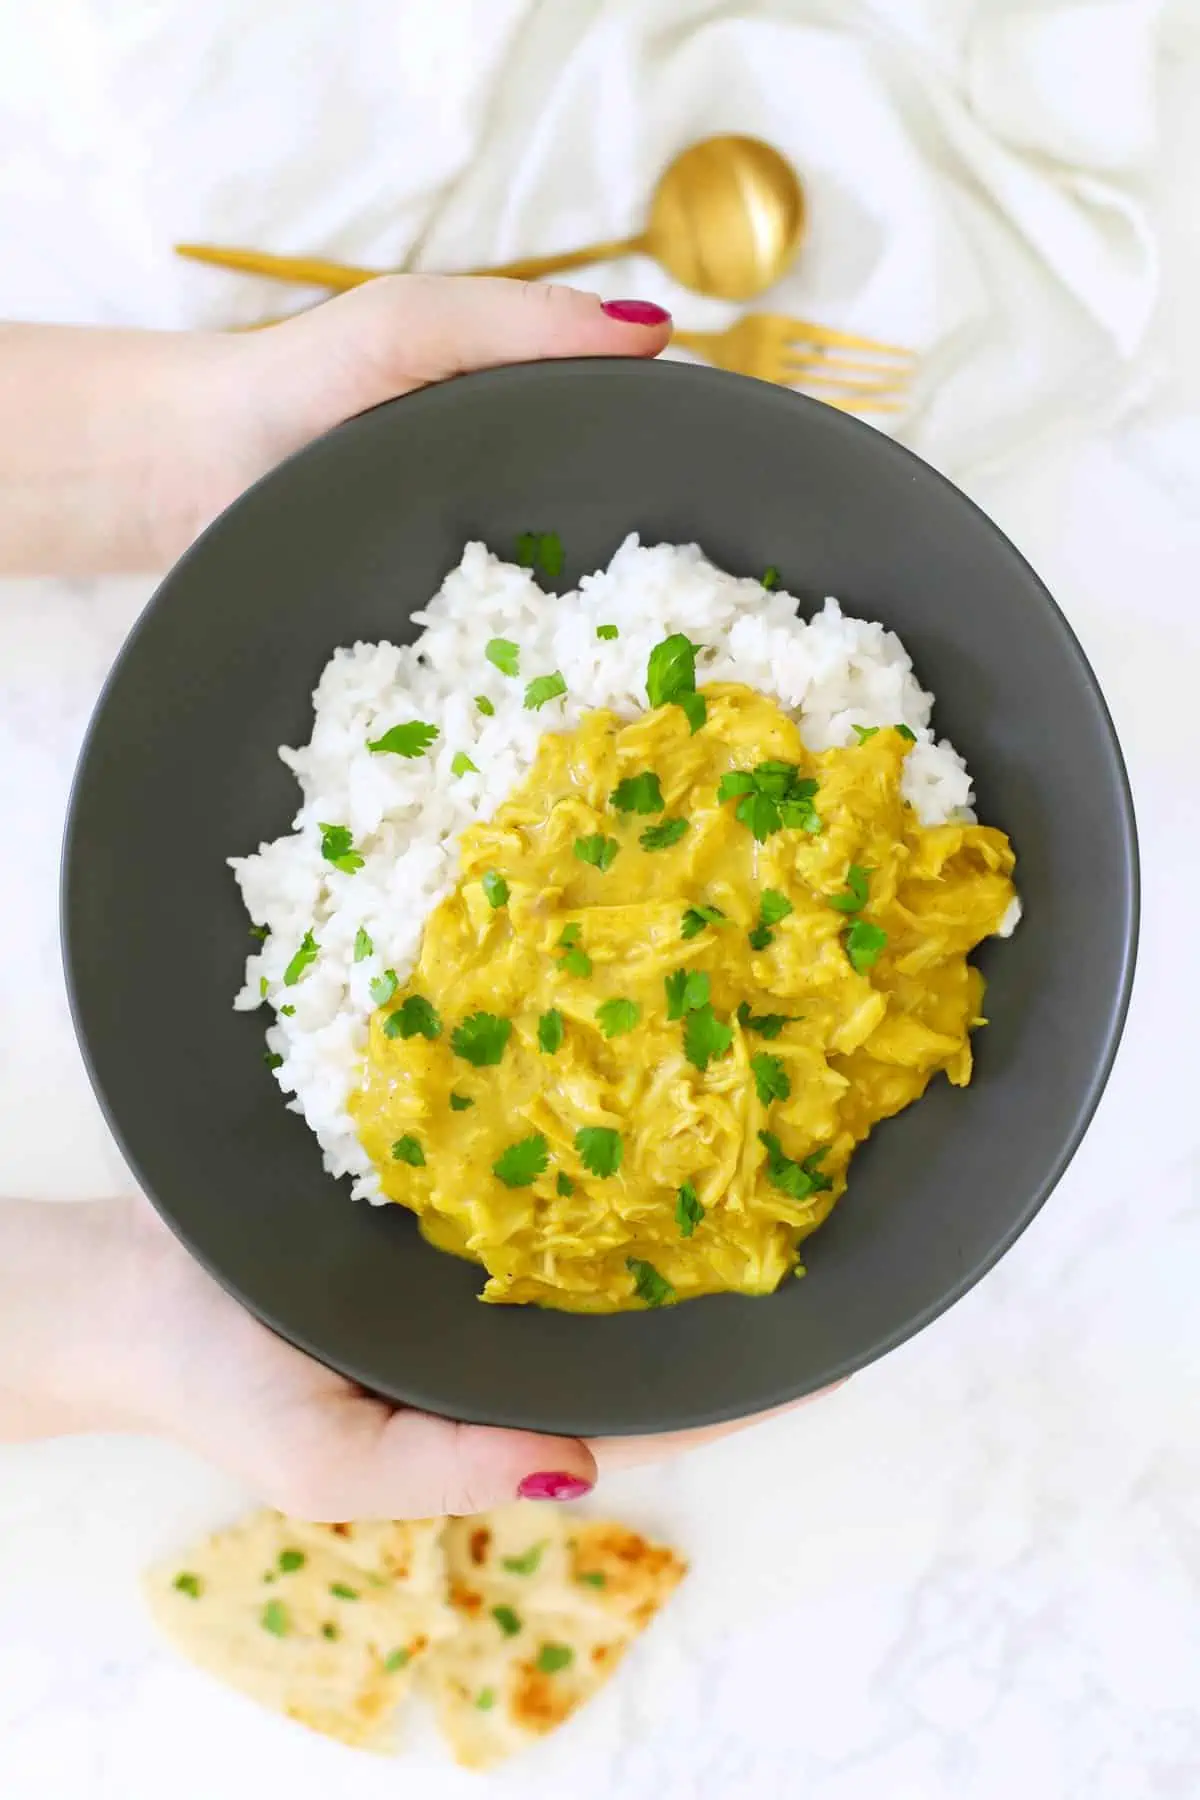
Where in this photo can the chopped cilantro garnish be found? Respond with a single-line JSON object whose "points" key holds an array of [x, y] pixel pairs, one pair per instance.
{"points": [[705, 1037], [648, 1284], [553, 1657], [481, 1039], [274, 1618], [261, 932], [523, 1162], [462, 764], [774, 906], [598, 850], [363, 947], [770, 1078], [460, 1102], [409, 740], [616, 1017], [734, 783], [638, 793], [607, 632], [768, 1025], [906, 732], [504, 655], [688, 1211], [507, 1620], [550, 1031], [593, 1578], [291, 1560], [577, 963], [495, 889], [671, 670], [855, 897], [287, 1012], [485, 706], [306, 954], [863, 732], [687, 989], [770, 576], [543, 688], [527, 1562], [337, 847], [415, 1017], [771, 797], [795, 1179], [485, 1699], [564, 1185], [340, 1591], [760, 937], [540, 549], [396, 1659], [190, 1584], [383, 987], [331, 1631], [697, 917], [272, 1059], [663, 835], [570, 935], [694, 708], [864, 942], [407, 1149], [600, 1150], [262, 987]]}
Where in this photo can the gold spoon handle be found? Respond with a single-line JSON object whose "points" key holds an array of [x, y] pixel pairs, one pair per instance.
{"points": [[314, 271]]}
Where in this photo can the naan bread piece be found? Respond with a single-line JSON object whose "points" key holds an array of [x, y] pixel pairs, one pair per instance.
{"points": [[549, 1604], [276, 1609], [405, 1551]]}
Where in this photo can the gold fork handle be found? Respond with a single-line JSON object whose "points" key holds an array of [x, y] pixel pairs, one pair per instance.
{"points": [[315, 271]]}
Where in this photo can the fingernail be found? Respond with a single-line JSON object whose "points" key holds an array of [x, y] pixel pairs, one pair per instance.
{"points": [[636, 312], [552, 1484]]}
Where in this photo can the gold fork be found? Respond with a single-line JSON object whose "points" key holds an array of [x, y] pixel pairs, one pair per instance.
{"points": [[797, 353]]}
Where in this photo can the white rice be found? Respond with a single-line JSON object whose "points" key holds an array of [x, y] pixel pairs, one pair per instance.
{"points": [[405, 816]]}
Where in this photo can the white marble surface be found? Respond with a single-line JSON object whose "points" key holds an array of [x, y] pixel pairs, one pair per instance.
{"points": [[973, 1572]]}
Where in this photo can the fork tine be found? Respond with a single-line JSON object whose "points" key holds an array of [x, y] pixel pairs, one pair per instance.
{"points": [[860, 406], [805, 379], [820, 359], [808, 333]]}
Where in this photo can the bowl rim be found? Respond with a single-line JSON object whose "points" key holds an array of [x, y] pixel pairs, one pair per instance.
{"points": [[1130, 901]]}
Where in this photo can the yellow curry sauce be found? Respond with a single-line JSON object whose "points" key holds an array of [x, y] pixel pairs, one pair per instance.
{"points": [[687, 1051]]}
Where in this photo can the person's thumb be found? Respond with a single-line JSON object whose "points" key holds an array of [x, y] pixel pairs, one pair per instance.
{"points": [[353, 1457]]}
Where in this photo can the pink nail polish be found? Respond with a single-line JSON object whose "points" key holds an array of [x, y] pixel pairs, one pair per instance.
{"points": [[552, 1484], [636, 312]]}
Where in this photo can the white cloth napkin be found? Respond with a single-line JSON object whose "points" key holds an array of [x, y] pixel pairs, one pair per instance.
{"points": [[973, 166]]}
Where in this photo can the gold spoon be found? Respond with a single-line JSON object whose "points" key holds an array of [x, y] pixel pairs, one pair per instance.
{"points": [[727, 219]]}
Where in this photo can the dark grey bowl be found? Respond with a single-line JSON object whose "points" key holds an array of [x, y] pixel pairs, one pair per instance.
{"points": [[179, 771]]}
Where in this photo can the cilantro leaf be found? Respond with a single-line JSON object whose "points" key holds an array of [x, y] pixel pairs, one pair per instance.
{"points": [[697, 917], [638, 794], [863, 732], [553, 1657], [593, 1578], [864, 942], [663, 835], [540, 549], [287, 1012], [543, 688], [577, 963], [261, 932], [272, 1059], [411, 740], [495, 889], [770, 576], [363, 947], [774, 906], [564, 1185], [687, 990], [694, 708], [485, 1699], [616, 1017], [734, 783], [485, 706], [760, 814], [775, 778], [306, 954], [525, 549], [291, 1560], [522, 1162], [648, 1284], [671, 670], [504, 655], [382, 987], [337, 847], [481, 1039], [795, 1179], [761, 937], [274, 1618], [462, 764], [416, 1017], [907, 733], [527, 1562], [190, 1584], [768, 1025], [598, 850], [855, 897], [507, 1620], [460, 1102], [770, 1078], [607, 632], [341, 1591], [550, 1031], [407, 1149], [396, 1659], [330, 1630], [688, 1211], [705, 1037], [571, 935], [600, 1149], [770, 797]]}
